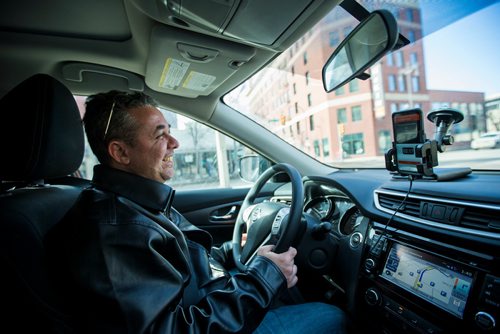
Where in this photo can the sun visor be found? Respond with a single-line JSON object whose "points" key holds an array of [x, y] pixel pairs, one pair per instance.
{"points": [[256, 21], [253, 21], [188, 64]]}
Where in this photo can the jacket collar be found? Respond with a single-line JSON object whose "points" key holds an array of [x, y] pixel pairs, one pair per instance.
{"points": [[145, 192]]}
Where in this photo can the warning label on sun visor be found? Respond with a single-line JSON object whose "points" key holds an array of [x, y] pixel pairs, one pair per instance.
{"points": [[198, 81], [174, 72]]}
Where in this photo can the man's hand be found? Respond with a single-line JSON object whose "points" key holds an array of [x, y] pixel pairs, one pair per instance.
{"points": [[284, 261]]}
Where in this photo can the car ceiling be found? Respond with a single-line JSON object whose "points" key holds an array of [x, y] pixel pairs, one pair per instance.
{"points": [[95, 45]]}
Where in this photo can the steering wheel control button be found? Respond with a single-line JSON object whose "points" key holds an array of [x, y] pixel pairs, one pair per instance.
{"points": [[356, 239], [278, 219]]}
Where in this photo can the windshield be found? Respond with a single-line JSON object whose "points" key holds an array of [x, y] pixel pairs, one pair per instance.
{"points": [[451, 61]]}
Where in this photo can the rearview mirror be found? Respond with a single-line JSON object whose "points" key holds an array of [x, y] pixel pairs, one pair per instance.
{"points": [[367, 43]]}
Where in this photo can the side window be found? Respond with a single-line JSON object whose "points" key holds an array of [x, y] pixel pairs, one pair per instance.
{"points": [[205, 159]]}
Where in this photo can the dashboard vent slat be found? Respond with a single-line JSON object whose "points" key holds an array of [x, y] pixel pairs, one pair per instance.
{"points": [[481, 219], [411, 206], [475, 218]]}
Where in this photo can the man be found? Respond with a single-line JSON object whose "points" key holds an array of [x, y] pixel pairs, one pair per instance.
{"points": [[139, 265]]}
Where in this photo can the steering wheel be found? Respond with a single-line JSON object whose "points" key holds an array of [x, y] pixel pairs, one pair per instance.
{"points": [[268, 222]]}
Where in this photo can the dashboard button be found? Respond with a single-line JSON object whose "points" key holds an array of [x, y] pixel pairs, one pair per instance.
{"points": [[356, 239], [485, 321], [438, 211], [372, 297]]}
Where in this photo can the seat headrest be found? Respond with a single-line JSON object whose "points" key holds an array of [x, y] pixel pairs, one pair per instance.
{"points": [[41, 132]]}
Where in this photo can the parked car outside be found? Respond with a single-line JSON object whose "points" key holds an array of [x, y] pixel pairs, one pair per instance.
{"points": [[487, 140]]}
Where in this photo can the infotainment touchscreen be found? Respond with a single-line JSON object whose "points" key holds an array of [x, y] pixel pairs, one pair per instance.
{"points": [[436, 280]]}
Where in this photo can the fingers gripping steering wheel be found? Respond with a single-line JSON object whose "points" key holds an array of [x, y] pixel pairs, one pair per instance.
{"points": [[268, 222]]}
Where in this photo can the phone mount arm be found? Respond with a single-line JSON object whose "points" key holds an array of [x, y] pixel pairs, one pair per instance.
{"points": [[444, 118]]}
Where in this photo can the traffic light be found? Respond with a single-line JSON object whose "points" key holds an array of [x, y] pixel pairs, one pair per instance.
{"points": [[341, 128]]}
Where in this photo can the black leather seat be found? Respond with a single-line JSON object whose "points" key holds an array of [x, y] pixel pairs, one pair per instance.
{"points": [[41, 137]]}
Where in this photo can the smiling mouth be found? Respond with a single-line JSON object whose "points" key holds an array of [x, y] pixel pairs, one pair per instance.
{"points": [[168, 159]]}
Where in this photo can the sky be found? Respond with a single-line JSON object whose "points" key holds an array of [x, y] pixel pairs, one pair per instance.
{"points": [[470, 59]]}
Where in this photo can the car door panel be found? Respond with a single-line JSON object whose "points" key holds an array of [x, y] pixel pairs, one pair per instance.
{"points": [[215, 210]]}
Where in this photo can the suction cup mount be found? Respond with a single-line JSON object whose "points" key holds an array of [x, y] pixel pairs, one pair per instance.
{"points": [[444, 118]]}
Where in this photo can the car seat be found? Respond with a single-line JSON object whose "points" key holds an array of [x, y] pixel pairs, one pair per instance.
{"points": [[41, 138]]}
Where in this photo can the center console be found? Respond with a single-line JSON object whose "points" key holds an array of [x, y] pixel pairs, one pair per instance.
{"points": [[416, 285]]}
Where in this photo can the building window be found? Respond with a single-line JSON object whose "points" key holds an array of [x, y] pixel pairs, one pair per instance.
{"points": [[317, 152], [311, 122], [296, 108], [341, 116], [384, 141], [395, 11], [291, 131], [391, 82], [309, 100], [354, 85], [399, 59], [340, 91], [294, 89], [413, 58], [436, 105], [415, 84], [326, 147], [298, 127], [411, 36], [307, 78], [347, 30], [356, 113], [401, 83], [389, 60], [394, 107], [409, 14], [353, 144], [305, 58], [334, 38], [293, 70]]}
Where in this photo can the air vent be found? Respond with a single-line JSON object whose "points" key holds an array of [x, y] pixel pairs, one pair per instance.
{"points": [[457, 215], [391, 202], [481, 219]]}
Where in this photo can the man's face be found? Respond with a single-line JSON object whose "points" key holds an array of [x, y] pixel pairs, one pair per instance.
{"points": [[151, 156]]}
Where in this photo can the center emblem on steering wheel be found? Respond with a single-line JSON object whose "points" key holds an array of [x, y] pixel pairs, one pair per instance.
{"points": [[256, 214]]}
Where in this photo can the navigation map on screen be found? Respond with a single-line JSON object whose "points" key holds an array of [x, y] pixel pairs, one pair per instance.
{"points": [[437, 281]]}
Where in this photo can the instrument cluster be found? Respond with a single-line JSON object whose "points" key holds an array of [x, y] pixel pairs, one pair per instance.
{"points": [[336, 209]]}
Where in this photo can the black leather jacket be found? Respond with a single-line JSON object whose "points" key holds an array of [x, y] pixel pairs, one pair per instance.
{"points": [[138, 271]]}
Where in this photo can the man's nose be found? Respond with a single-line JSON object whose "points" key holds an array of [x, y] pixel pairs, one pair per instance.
{"points": [[173, 143]]}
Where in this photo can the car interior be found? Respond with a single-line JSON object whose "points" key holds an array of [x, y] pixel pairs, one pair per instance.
{"points": [[405, 246]]}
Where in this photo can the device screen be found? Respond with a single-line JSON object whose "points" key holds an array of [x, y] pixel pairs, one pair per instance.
{"points": [[408, 126]]}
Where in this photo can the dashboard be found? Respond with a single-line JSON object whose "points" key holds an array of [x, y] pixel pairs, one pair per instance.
{"points": [[425, 261]]}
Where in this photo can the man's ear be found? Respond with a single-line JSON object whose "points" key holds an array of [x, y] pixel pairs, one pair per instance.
{"points": [[118, 152]]}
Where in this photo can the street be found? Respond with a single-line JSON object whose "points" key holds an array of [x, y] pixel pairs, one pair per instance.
{"points": [[480, 159]]}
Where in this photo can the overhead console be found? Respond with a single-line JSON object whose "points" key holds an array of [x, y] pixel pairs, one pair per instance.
{"points": [[232, 18]]}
